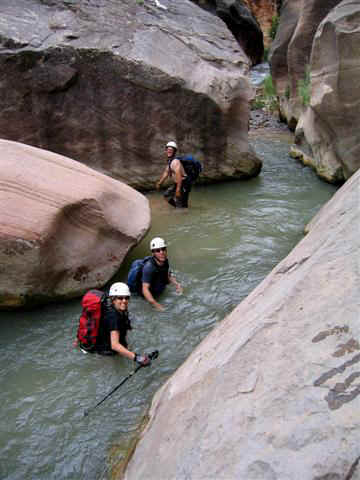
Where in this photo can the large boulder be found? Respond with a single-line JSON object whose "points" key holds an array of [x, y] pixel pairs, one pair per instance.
{"points": [[327, 136], [109, 83], [273, 392], [64, 227]]}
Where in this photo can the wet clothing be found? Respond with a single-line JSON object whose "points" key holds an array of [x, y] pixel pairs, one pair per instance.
{"points": [[157, 276], [183, 201], [186, 186], [111, 320]]}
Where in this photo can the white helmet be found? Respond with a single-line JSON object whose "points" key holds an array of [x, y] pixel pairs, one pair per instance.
{"points": [[119, 290], [157, 242], [172, 145]]}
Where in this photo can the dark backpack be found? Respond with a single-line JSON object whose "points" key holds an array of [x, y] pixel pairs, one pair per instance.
{"points": [[135, 274], [89, 321], [192, 167]]}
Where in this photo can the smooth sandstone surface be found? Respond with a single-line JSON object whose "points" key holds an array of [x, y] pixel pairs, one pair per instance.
{"points": [[273, 392], [64, 227]]}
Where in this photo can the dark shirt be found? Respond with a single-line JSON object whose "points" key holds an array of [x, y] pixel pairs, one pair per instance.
{"points": [[111, 320], [157, 276]]}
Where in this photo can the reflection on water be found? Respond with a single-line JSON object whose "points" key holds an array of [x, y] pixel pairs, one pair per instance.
{"points": [[220, 249]]}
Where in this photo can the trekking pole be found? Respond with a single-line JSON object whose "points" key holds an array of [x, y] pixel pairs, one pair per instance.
{"points": [[152, 356]]}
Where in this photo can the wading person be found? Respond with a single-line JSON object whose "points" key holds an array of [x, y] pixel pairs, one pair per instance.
{"points": [[149, 276], [107, 336], [177, 194]]}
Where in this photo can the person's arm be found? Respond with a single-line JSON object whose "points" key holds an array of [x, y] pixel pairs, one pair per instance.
{"points": [[117, 347], [148, 296], [173, 280], [163, 177]]}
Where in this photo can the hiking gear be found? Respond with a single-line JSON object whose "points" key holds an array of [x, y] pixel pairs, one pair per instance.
{"points": [[192, 167], [183, 201], [89, 321], [135, 273], [119, 290], [172, 144], [157, 242], [143, 360], [151, 356], [112, 319]]}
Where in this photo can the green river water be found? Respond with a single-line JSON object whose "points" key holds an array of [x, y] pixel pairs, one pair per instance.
{"points": [[220, 249]]}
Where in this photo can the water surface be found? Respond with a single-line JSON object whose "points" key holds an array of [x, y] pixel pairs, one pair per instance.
{"points": [[220, 249]]}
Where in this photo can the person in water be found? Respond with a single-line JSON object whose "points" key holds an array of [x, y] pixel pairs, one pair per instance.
{"points": [[156, 273], [114, 325], [177, 194]]}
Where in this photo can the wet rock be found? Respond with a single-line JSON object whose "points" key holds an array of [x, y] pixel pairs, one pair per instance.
{"points": [[64, 228], [108, 83], [262, 118], [273, 391]]}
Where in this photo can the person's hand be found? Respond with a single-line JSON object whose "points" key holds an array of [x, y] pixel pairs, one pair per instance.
{"points": [[142, 360], [158, 185], [159, 307], [178, 194], [179, 288]]}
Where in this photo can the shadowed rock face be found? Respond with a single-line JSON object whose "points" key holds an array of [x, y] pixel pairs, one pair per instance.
{"points": [[242, 24], [273, 392], [291, 50], [64, 228], [264, 11], [289, 16], [327, 136], [108, 83]]}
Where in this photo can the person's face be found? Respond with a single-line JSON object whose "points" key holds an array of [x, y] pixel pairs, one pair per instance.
{"points": [[160, 254], [121, 303], [170, 151]]}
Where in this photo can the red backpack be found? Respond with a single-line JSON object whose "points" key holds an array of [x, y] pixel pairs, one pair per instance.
{"points": [[89, 321]]}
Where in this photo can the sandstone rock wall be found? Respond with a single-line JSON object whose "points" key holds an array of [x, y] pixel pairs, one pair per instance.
{"points": [[290, 53], [108, 83], [250, 22], [327, 137], [64, 228], [273, 392], [264, 11], [290, 13]]}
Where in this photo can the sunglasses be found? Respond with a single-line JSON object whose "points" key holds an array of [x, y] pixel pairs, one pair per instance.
{"points": [[126, 297], [158, 250]]}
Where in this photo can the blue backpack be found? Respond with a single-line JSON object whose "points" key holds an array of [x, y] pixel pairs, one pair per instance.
{"points": [[192, 167], [135, 273]]}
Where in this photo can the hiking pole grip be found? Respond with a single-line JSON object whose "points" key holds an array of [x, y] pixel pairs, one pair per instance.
{"points": [[153, 354]]}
